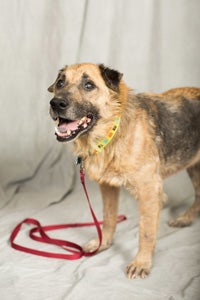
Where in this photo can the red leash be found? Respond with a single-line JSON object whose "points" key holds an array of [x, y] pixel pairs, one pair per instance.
{"points": [[76, 250]]}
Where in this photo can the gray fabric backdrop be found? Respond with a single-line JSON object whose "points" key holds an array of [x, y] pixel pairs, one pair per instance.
{"points": [[156, 44]]}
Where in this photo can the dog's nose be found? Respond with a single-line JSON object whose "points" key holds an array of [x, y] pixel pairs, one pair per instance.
{"points": [[58, 104]]}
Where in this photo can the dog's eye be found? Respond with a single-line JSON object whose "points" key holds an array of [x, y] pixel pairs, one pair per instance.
{"points": [[60, 83], [89, 85]]}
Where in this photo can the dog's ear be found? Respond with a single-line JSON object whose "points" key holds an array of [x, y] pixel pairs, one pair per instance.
{"points": [[111, 77], [50, 88]]}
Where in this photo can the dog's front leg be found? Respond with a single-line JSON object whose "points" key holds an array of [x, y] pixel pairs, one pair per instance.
{"points": [[110, 196], [149, 208]]}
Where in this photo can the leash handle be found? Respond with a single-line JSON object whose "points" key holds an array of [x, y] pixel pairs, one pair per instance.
{"points": [[76, 250]]}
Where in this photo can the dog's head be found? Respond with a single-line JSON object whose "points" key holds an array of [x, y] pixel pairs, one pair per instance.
{"points": [[83, 95]]}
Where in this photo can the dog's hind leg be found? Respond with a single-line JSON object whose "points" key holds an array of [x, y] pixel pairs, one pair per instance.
{"points": [[110, 196], [187, 218]]}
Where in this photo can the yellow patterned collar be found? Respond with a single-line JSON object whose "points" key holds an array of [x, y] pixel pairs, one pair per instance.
{"points": [[101, 144]]}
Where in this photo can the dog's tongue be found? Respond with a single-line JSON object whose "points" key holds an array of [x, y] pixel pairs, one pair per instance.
{"points": [[68, 126]]}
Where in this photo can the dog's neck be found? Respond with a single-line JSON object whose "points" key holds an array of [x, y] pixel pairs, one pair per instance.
{"points": [[102, 143], [87, 147]]}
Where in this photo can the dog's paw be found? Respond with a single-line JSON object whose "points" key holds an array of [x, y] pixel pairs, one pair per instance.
{"points": [[138, 269], [182, 221], [93, 245]]}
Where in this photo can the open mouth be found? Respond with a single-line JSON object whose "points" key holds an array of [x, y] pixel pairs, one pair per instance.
{"points": [[67, 130]]}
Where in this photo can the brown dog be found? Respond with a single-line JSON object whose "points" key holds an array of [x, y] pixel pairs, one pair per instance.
{"points": [[131, 140]]}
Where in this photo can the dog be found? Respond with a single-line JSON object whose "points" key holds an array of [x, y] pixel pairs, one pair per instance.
{"points": [[129, 139]]}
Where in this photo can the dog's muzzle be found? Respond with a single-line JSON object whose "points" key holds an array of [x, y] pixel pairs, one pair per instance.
{"points": [[66, 128]]}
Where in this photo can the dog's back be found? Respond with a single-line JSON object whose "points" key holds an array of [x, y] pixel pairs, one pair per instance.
{"points": [[176, 118], [188, 92]]}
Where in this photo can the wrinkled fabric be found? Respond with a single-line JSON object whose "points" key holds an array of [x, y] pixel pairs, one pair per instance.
{"points": [[155, 43]]}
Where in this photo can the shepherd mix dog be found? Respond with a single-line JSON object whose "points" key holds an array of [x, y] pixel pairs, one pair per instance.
{"points": [[130, 140]]}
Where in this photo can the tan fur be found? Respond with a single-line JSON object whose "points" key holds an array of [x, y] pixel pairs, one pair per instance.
{"points": [[132, 159]]}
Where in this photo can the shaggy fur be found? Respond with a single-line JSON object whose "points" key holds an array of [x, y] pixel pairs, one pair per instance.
{"points": [[159, 135]]}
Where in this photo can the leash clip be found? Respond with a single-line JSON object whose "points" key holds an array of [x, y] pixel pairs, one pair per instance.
{"points": [[79, 161]]}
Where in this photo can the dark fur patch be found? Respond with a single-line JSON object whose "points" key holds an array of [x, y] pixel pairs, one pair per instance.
{"points": [[83, 109], [179, 130]]}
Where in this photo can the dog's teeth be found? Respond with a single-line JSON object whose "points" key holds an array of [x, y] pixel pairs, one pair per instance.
{"points": [[57, 122], [56, 129], [69, 132], [88, 120], [81, 121]]}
